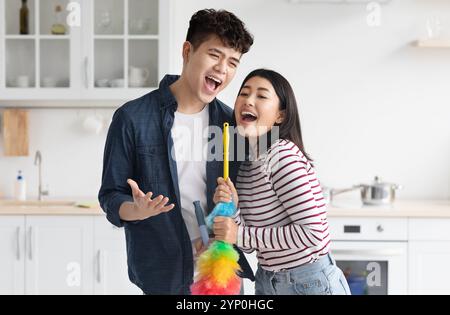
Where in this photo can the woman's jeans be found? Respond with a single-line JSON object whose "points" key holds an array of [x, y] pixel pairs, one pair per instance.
{"points": [[322, 277]]}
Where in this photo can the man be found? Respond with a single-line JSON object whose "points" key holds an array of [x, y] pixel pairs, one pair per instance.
{"points": [[148, 189]]}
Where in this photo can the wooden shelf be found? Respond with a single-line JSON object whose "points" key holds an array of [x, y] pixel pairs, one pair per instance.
{"points": [[433, 43]]}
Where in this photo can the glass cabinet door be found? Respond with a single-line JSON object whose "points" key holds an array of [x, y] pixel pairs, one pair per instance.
{"points": [[126, 44], [54, 44], [37, 56], [20, 49]]}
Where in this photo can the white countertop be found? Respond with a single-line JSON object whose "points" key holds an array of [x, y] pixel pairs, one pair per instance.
{"points": [[80, 206], [400, 209], [339, 208]]}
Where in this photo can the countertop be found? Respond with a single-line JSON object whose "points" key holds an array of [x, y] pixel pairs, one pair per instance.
{"points": [[400, 209], [72, 206], [339, 208]]}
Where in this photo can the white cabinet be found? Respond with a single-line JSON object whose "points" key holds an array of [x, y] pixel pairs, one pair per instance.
{"points": [[12, 256], [72, 255], [111, 270], [58, 255], [429, 254], [119, 50]]}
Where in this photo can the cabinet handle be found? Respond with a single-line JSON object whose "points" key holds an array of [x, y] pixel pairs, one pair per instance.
{"points": [[18, 243], [99, 267], [30, 244], [86, 72]]}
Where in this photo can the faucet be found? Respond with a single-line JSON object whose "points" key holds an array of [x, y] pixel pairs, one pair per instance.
{"points": [[38, 163]]}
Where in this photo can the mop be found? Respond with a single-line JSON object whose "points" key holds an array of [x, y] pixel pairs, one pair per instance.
{"points": [[217, 267]]}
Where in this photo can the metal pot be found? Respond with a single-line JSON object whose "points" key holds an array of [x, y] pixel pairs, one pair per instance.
{"points": [[376, 193]]}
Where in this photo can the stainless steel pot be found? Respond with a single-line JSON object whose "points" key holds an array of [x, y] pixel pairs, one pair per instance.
{"points": [[376, 193]]}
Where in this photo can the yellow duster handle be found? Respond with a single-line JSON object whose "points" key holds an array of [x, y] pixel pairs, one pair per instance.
{"points": [[226, 147]]}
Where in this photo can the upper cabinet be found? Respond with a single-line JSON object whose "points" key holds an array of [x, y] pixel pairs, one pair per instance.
{"points": [[82, 49]]}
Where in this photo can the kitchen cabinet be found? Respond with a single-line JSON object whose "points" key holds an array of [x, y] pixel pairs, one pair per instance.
{"points": [[75, 255], [12, 256], [58, 255], [429, 254], [111, 270], [113, 50]]}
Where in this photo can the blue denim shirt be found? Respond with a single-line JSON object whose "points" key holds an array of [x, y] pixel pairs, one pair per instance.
{"points": [[138, 146]]}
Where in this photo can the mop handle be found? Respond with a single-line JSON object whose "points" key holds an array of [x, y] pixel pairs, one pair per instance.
{"points": [[201, 222], [226, 147]]}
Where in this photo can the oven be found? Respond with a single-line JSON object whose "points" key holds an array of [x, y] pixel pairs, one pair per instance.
{"points": [[372, 253]]}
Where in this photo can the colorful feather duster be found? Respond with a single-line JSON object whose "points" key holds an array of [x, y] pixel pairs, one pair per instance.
{"points": [[217, 267]]}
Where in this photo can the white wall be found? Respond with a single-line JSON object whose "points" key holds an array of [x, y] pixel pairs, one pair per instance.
{"points": [[71, 156], [370, 104]]}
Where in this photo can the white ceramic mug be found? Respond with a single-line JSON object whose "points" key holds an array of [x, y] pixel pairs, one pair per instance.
{"points": [[138, 76], [23, 81]]}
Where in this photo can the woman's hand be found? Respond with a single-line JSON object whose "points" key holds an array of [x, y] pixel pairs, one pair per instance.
{"points": [[225, 229], [225, 192]]}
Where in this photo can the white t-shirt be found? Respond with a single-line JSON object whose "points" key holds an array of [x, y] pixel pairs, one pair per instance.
{"points": [[190, 137]]}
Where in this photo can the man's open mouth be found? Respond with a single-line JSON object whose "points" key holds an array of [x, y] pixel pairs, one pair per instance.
{"points": [[248, 116], [213, 83]]}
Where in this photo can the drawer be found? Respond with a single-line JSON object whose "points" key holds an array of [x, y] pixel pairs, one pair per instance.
{"points": [[368, 229], [429, 229]]}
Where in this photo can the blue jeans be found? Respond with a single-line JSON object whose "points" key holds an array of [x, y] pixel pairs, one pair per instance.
{"points": [[319, 278]]}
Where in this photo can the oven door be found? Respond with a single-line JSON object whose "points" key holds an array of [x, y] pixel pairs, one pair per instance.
{"points": [[373, 268]]}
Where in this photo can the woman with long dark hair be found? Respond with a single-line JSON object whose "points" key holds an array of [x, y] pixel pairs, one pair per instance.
{"points": [[282, 212]]}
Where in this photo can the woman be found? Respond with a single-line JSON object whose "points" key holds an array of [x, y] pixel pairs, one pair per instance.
{"points": [[282, 212]]}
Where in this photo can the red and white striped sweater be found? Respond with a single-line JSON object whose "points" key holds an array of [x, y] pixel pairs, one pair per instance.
{"points": [[282, 212]]}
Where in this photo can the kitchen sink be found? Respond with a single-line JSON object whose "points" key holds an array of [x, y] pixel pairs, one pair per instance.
{"points": [[36, 203]]}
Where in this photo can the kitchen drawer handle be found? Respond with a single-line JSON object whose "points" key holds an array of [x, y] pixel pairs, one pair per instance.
{"points": [[18, 243], [30, 244], [366, 252], [99, 267], [86, 72]]}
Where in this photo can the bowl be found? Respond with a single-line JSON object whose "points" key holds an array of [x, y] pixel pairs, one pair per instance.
{"points": [[117, 83], [102, 83]]}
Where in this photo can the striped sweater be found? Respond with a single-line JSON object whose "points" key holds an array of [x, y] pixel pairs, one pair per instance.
{"points": [[282, 213]]}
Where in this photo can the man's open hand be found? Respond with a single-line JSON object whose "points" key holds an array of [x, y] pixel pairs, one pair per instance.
{"points": [[145, 205]]}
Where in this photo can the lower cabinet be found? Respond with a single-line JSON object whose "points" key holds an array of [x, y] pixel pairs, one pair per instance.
{"points": [[429, 256], [58, 255], [12, 269], [64, 255], [110, 267], [87, 255]]}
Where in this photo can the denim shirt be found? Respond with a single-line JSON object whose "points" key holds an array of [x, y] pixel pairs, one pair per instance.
{"points": [[139, 146]]}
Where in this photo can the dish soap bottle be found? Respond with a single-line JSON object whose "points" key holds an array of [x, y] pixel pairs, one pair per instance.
{"points": [[24, 13], [20, 191], [58, 27]]}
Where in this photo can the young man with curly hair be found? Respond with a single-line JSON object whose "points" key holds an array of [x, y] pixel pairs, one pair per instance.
{"points": [[150, 175]]}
